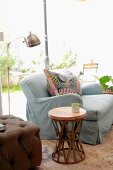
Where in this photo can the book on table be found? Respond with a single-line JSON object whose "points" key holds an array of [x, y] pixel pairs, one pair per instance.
{"points": [[2, 127]]}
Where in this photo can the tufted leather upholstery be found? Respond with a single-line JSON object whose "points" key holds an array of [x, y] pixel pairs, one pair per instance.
{"points": [[20, 144]]}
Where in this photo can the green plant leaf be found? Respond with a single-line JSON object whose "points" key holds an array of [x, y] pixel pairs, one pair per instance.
{"points": [[104, 80], [111, 88]]}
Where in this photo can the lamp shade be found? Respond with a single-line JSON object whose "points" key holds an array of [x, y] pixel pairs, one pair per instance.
{"points": [[32, 40]]}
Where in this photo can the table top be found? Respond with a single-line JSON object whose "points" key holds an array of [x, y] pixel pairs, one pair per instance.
{"points": [[65, 113]]}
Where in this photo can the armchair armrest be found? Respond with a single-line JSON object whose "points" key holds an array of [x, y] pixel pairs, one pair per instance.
{"points": [[59, 101], [91, 88]]}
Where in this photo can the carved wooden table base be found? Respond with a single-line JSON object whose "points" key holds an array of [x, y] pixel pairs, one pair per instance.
{"points": [[68, 149]]}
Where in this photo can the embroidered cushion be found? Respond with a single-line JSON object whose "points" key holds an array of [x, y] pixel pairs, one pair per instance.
{"points": [[59, 84]]}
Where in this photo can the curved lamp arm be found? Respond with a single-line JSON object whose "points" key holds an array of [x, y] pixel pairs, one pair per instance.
{"points": [[31, 40]]}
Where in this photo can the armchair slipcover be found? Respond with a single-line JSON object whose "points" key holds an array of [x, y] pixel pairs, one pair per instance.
{"points": [[99, 108], [39, 103]]}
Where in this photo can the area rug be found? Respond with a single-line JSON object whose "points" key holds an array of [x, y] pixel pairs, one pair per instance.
{"points": [[98, 157]]}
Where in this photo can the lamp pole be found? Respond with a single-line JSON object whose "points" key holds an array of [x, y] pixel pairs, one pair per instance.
{"points": [[1, 39], [46, 37], [0, 96]]}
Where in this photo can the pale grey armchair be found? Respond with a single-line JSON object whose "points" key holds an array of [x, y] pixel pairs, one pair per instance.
{"points": [[99, 108]]}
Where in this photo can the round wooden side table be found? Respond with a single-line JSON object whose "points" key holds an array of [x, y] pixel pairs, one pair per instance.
{"points": [[67, 125]]}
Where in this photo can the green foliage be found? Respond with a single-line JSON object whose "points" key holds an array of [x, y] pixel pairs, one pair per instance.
{"points": [[34, 65], [106, 82], [25, 70], [13, 89], [6, 60], [68, 60]]}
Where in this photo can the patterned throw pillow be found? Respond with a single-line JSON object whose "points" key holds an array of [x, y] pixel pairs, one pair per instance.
{"points": [[59, 84]]}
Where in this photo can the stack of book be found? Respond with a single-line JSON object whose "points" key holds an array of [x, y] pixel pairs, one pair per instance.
{"points": [[2, 127]]}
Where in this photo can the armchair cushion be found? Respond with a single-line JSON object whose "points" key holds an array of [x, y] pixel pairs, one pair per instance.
{"points": [[59, 84], [97, 105], [91, 88]]}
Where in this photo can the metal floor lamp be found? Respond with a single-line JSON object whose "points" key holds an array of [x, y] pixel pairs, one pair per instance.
{"points": [[31, 41]]}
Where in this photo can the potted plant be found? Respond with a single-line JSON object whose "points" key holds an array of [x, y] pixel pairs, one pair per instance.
{"points": [[106, 82]]}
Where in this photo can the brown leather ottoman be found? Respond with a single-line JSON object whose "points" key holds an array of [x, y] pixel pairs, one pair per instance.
{"points": [[20, 144]]}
